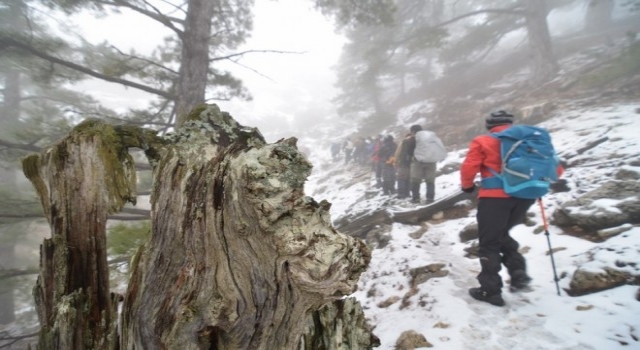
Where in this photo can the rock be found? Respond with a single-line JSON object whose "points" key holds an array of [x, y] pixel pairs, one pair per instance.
{"points": [[410, 340], [390, 301], [613, 204], [469, 232], [422, 274], [614, 231], [587, 282]]}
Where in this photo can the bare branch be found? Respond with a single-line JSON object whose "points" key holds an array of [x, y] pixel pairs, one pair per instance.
{"points": [[10, 42], [15, 339], [147, 61], [512, 11], [156, 15], [239, 54]]}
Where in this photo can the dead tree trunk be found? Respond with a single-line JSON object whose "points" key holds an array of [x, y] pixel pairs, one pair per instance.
{"points": [[238, 257], [340, 325], [81, 180]]}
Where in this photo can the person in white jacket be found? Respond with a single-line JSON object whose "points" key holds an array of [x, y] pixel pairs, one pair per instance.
{"points": [[427, 150]]}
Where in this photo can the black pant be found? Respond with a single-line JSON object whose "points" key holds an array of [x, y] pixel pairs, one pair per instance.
{"points": [[496, 216]]}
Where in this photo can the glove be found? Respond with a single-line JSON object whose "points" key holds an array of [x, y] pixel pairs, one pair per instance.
{"points": [[469, 189]]}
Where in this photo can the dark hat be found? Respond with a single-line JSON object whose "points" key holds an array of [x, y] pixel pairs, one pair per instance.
{"points": [[498, 118], [415, 128]]}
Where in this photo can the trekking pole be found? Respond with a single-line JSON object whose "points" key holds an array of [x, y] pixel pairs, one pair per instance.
{"points": [[546, 232]]}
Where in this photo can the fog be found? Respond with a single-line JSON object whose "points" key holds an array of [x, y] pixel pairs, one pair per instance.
{"points": [[310, 80], [288, 68]]}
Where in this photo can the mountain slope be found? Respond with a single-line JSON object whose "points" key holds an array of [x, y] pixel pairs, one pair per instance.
{"points": [[440, 308]]}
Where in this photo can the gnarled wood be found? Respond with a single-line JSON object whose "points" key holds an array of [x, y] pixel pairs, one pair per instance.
{"points": [[238, 257], [80, 181]]}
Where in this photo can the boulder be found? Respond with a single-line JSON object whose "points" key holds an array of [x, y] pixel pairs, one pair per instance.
{"points": [[613, 204]]}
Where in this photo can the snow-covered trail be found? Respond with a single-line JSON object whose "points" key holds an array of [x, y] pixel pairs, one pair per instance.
{"points": [[441, 308], [449, 318]]}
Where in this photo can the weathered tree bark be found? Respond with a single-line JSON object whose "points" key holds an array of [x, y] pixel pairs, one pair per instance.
{"points": [[340, 325], [238, 257], [80, 180]]}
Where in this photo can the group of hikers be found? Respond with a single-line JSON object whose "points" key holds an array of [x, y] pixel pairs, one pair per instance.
{"points": [[516, 164], [399, 168]]}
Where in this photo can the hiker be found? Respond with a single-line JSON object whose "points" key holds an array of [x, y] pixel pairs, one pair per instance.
{"points": [[497, 213], [375, 157], [386, 159], [403, 164], [360, 150], [426, 150], [347, 148]]}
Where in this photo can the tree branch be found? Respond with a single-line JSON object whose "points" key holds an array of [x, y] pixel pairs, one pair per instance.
{"points": [[10, 42], [238, 54], [158, 16], [16, 339], [512, 11], [147, 61]]}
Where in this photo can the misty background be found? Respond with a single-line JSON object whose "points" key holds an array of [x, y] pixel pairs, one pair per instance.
{"points": [[320, 70]]}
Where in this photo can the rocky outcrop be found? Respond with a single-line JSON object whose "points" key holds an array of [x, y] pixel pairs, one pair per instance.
{"points": [[586, 282], [613, 204]]}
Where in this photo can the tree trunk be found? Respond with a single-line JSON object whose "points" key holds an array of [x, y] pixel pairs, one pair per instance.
{"points": [[238, 257], [192, 80], [340, 325], [81, 180], [544, 65]]}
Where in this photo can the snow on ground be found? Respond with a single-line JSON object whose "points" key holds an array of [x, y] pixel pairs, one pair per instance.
{"points": [[443, 311]]}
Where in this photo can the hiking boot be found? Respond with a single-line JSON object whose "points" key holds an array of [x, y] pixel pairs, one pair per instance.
{"points": [[429, 200], [519, 281], [493, 299], [415, 201]]}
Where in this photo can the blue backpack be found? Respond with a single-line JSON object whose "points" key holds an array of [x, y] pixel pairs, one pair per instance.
{"points": [[529, 162]]}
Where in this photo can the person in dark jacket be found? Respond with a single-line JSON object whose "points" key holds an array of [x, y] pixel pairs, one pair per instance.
{"points": [[377, 166], [403, 165], [386, 159], [497, 213]]}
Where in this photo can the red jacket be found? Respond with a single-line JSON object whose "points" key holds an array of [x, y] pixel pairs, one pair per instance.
{"points": [[484, 153]]}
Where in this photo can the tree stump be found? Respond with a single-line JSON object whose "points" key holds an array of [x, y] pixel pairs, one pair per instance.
{"points": [[80, 181], [238, 258]]}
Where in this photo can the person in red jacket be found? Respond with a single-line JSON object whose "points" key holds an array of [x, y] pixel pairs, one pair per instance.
{"points": [[497, 213]]}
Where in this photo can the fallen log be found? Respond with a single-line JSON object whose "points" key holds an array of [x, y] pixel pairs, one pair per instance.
{"points": [[421, 214]]}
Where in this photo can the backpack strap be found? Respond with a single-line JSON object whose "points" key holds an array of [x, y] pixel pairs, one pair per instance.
{"points": [[506, 157], [492, 182], [496, 180]]}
